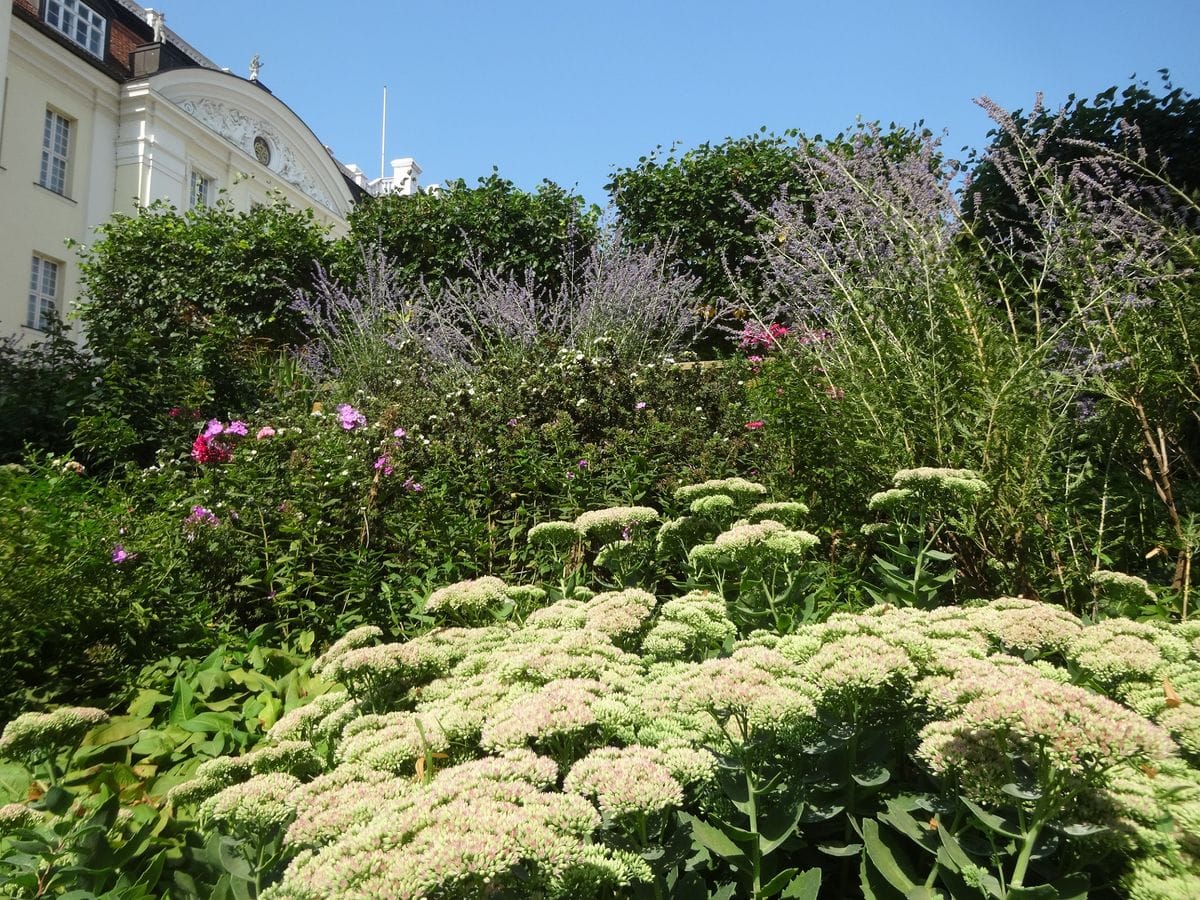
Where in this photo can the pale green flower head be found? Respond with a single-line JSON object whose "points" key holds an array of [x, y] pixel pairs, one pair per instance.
{"points": [[626, 782], [608, 524], [890, 501], [258, 806], [363, 636], [739, 489], [526, 594], [473, 600], [554, 535], [44, 733], [946, 489], [1122, 590], [746, 544], [713, 506], [15, 816], [693, 626], [1119, 650], [789, 512]]}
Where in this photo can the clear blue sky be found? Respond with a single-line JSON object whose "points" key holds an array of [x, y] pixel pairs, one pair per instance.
{"points": [[571, 89]]}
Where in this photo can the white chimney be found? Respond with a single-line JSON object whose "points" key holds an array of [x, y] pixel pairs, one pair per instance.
{"points": [[405, 173]]}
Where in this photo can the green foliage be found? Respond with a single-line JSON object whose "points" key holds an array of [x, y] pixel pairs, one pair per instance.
{"points": [[702, 204], [100, 820], [459, 231], [177, 306], [1164, 124], [42, 385]]}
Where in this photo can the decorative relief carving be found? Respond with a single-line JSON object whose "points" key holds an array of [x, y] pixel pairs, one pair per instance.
{"points": [[241, 130]]}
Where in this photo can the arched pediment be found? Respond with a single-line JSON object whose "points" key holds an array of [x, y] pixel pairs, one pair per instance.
{"points": [[243, 113]]}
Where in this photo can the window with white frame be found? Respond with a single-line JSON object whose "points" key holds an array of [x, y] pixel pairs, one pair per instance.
{"points": [[79, 22], [43, 293], [202, 189], [56, 148]]}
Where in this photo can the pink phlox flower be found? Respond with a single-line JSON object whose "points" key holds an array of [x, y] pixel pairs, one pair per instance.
{"points": [[755, 425], [175, 412], [120, 554], [265, 432], [641, 404], [756, 337], [512, 423], [384, 465], [212, 428], [349, 417], [584, 464], [200, 516], [400, 433], [205, 451], [238, 427], [410, 485]]}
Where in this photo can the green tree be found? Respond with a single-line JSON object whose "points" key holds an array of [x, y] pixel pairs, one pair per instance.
{"points": [[178, 307], [702, 204], [494, 226], [1165, 126]]}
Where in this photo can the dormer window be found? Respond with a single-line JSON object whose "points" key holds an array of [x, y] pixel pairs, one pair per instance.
{"points": [[79, 22]]}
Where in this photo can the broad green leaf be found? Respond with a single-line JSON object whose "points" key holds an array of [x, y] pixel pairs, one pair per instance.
{"points": [[872, 777], [777, 884], [714, 840], [805, 886], [209, 721], [884, 858], [14, 782], [990, 820], [115, 730], [1021, 793], [838, 848]]}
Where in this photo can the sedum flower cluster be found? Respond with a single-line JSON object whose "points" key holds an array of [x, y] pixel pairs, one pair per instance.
{"points": [[42, 734], [512, 758]]}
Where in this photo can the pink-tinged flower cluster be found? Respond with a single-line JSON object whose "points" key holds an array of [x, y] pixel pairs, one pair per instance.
{"points": [[559, 710], [625, 782], [349, 417], [755, 425], [489, 822], [120, 555], [265, 432], [1066, 734], [758, 337], [384, 466]]}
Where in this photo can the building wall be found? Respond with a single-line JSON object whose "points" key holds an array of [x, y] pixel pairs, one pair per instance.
{"points": [[42, 75], [134, 142]]}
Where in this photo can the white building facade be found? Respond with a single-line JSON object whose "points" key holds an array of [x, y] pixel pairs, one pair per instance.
{"points": [[104, 109]]}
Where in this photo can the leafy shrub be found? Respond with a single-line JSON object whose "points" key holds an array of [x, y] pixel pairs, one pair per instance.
{"points": [[992, 750], [42, 386], [440, 237], [177, 306]]}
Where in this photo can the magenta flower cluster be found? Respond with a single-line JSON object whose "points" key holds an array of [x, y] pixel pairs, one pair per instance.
{"points": [[350, 418], [758, 337]]}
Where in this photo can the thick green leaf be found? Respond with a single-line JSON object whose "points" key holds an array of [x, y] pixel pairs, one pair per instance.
{"points": [[1021, 793], [777, 884], [115, 730], [883, 857], [805, 886], [873, 777], [714, 839], [991, 821], [838, 848]]}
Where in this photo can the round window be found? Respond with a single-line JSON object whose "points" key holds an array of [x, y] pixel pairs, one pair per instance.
{"points": [[262, 150]]}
